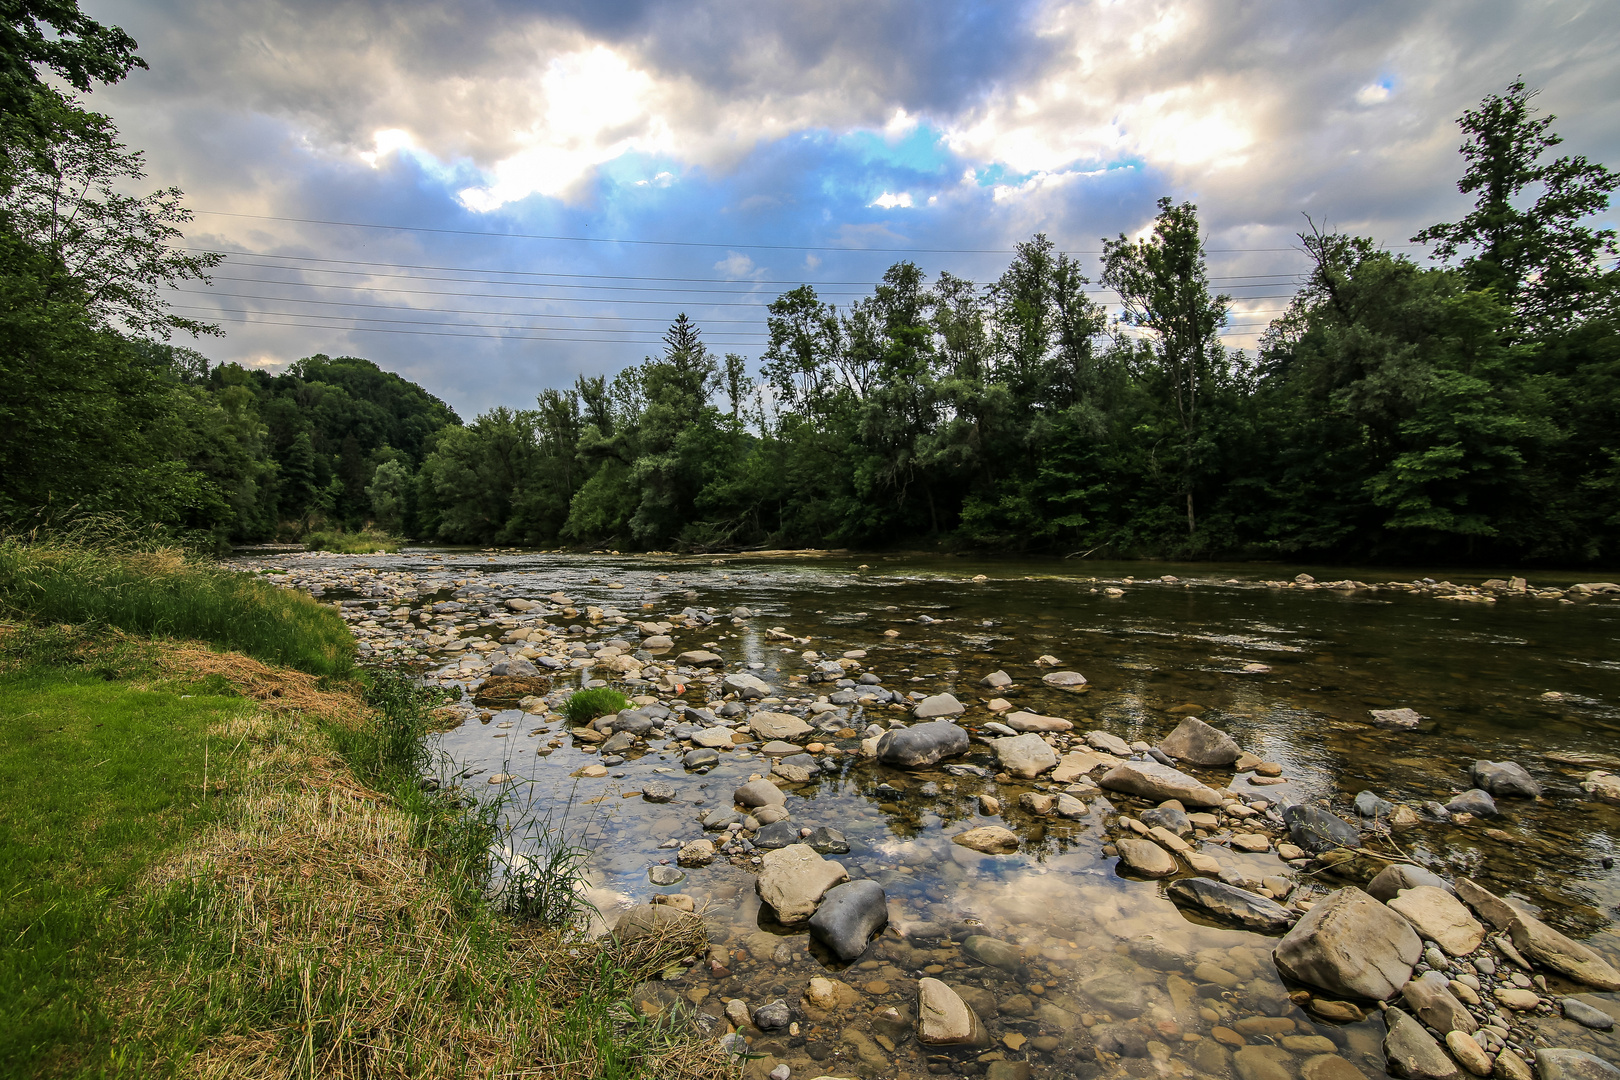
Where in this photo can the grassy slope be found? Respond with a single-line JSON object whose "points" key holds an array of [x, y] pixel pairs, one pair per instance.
{"points": [[101, 781]]}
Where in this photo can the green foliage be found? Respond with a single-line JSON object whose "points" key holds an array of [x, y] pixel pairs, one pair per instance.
{"points": [[365, 542], [586, 705]]}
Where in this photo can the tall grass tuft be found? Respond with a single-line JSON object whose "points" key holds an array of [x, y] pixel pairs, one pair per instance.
{"points": [[93, 576], [364, 542], [586, 705]]}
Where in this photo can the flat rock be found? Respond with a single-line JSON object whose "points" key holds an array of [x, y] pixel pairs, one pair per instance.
{"points": [[696, 853], [1546, 946], [747, 687], [1351, 945], [1557, 1063], [778, 725], [921, 744], [793, 880], [827, 841], [1329, 1067], [1145, 857], [1231, 905], [778, 834], [944, 1019], [1400, 719], [848, 917], [1028, 721], [1168, 818], [759, 793], [1263, 1063], [1077, 763], [996, 680], [1506, 779], [1431, 998], [1152, 780], [1586, 1015], [1602, 786], [1025, 756], [699, 658], [993, 952], [1517, 999], [1064, 679], [1110, 744], [990, 839], [1197, 743], [714, 738], [1440, 917], [1413, 1052], [1476, 801], [1316, 829], [932, 708], [1397, 876]]}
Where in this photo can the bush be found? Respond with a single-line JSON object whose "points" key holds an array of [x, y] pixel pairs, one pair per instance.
{"points": [[163, 592], [586, 705], [364, 542]]}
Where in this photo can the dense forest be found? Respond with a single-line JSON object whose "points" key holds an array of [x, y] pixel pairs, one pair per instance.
{"points": [[1464, 408]]}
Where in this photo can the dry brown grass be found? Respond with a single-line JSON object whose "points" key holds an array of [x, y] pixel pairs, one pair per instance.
{"points": [[279, 689], [324, 945]]}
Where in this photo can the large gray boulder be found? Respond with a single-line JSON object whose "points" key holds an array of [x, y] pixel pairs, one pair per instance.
{"points": [[792, 880], [1413, 1052], [759, 793], [1350, 944], [921, 744], [1397, 876], [848, 917], [1231, 905], [1557, 1063], [1197, 743], [939, 705], [1540, 942], [747, 687], [1025, 756], [1505, 779], [1151, 780], [1440, 917], [1316, 829]]}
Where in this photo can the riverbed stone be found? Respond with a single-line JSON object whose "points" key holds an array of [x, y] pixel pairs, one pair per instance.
{"points": [[1399, 719], [1469, 1054], [1145, 857], [1546, 946], [1558, 1063], [1153, 780], [1350, 944], [1585, 1014], [1397, 876], [1429, 995], [1197, 743], [1476, 801], [1110, 744], [1441, 918], [1171, 818], [1316, 829], [699, 658], [1231, 905], [921, 744], [1025, 756], [702, 757], [778, 834], [827, 841], [1413, 1052], [944, 1019], [759, 792], [1506, 779], [848, 917], [990, 839], [1602, 786], [714, 738], [747, 687], [1064, 679], [996, 680], [993, 952], [778, 725], [1329, 1067], [937, 706], [1028, 721], [792, 880]]}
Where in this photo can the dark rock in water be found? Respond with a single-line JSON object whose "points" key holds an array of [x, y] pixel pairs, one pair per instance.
{"points": [[1197, 743], [1161, 757], [1370, 805], [1315, 829], [828, 842], [621, 740], [778, 834], [1561, 1064], [658, 791], [773, 1016], [1150, 952], [720, 818], [700, 717], [1397, 876], [969, 770], [848, 917], [888, 792], [1228, 904], [701, 758], [665, 875], [633, 721], [1430, 997], [922, 744], [1473, 801], [993, 952], [1167, 817], [1586, 1015], [1124, 1039], [1505, 779], [518, 665], [844, 697], [505, 691], [1435, 811], [730, 709], [611, 760]]}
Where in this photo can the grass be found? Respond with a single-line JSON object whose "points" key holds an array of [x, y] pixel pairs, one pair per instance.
{"points": [[213, 867], [586, 705], [364, 542], [162, 592]]}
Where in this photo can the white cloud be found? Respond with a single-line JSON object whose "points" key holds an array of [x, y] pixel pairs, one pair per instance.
{"points": [[386, 142], [1374, 93], [889, 202], [738, 266], [662, 179]]}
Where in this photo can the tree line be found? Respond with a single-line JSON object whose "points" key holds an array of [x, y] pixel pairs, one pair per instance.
{"points": [[1468, 408]]}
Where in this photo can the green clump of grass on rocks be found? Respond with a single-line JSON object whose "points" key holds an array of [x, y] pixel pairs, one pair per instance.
{"points": [[364, 542], [586, 705]]}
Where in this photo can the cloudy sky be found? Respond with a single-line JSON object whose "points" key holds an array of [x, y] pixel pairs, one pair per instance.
{"points": [[493, 196]]}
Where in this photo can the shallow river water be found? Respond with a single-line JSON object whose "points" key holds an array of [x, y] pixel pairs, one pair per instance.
{"points": [[1108, 975]]}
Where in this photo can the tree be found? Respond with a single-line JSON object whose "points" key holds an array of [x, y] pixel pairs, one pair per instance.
{"points": [[1164, 286], [57, 36], [1541, 258]]}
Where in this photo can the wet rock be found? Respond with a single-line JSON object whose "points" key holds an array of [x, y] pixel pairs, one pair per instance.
{"points": [[759, 793], [696, 853], [1316, 829], [703, 757], [658, 791], [618, 743], [1397, 876], [1034, 802], [937, 706], [517, 665], [746, 687], [993, 952], [1110, 744], [1025, 756], [1540, 942], [990, 839], [793, 880], [1167, 817], [1122, 1040], [1469, 1054], [921, 744], [1560, 1064], [714, 738], [1152, 780], [1145, 857], [769, 815], [1329, 1067], [1431, 998], [1440, 917], [1473, 801], [665, 875], [776, 725], [1506, 779], [996, 680], [776, 835], [1370, 805], [1413, 1053], [1516, 999], [1229, 904], [1028, 721], [1070, 807], [825, 841], [1350, 944], [1603, 786], [1197, 743], [1400, 719], [1510, 1066], [1064, 679], [773, 1016], [848, 917], [1263, 1063], [1586, 1015], [944, 1019]]}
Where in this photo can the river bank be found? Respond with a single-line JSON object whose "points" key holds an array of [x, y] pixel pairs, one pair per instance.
{"points": [[795, 673]]}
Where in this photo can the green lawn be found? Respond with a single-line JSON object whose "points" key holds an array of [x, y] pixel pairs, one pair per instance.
{"points": [[100, 780]]}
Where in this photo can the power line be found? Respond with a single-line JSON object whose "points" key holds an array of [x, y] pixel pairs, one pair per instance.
{"points": [[441, 333], [443, 322], [448, 311]]}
